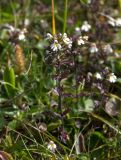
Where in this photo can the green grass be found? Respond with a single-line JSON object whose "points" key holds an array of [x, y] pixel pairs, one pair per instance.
{"points": [[33, 111]]}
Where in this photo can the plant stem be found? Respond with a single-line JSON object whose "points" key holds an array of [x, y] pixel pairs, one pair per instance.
{"points": [[53, 19], [59, 89], [59, 97], [76, 81], [65, 16]]}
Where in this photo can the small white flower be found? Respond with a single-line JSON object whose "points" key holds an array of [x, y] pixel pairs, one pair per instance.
{"points": [[108, 49], [55, 46], [64, 35], [21, 36], [112, 22], [49, 36], [69, 45], [118, 22], [77, 31], [26, 22], [80, 41], [89, 1], [10, 28], [93, 48], [67, 40], [43, 23], [60, 34], [51, 146], [101, 61], [89, 74], [85, 38], [85, 26], [112, 78], [115, 22], [98, 76]]}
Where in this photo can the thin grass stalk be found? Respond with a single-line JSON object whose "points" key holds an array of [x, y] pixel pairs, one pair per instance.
{"points": [[14, 13], [53, 18], [119, 2], [27, 149], [65, 16]]}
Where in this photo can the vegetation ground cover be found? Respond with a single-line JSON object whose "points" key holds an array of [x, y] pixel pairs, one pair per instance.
{"points": [[60, 80]]}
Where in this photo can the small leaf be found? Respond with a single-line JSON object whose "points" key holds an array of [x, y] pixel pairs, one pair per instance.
{"points": [[54, 125], [9, 79]]}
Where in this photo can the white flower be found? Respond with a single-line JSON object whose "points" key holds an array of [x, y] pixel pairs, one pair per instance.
{"points": [[64, 35], [93, 48], [85, 26], [89, 1], [55, 46], [49, 36], [77, 30], [67, 40], [10, 28], [112, 78], [108, 49], [26, 22], [51, 146], [60, 34], [112, 22], [80, 41], [118, 22], [43, 23], [69, 45], [117, 55], [98, 76], [21, 36], [85, 38]]}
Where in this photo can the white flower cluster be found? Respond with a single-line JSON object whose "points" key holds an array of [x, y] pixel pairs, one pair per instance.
{"points": [[85, 26], [22, 36], [114, 22], [49, 36], [58, 42], [110, 77], [67, 40], [93, 48], [81, 40], [20, 33], [108, 49], [98, 75]]}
